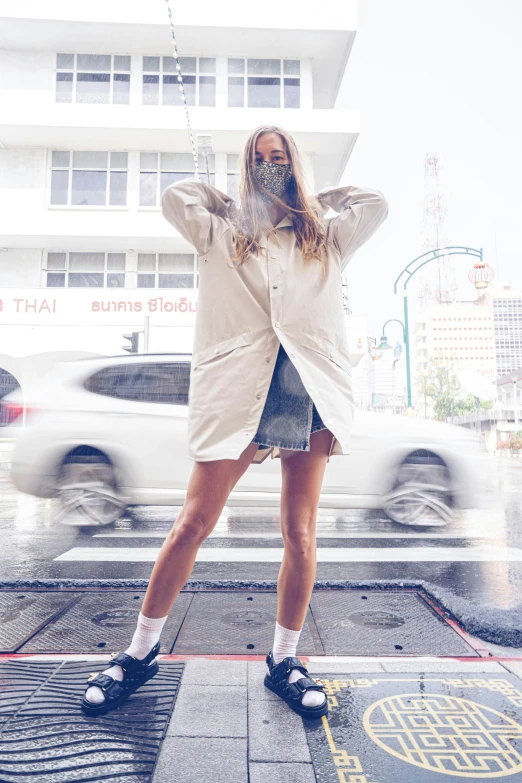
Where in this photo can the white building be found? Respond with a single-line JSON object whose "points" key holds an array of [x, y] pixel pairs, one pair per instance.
{"points": [[459, 335], [507, 320], [92, 131]]}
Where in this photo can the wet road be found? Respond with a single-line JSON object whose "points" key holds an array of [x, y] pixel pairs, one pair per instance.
{"points": [[478, 556]]}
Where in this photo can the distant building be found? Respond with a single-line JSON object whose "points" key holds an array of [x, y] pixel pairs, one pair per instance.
{"points": [[507, 322]]}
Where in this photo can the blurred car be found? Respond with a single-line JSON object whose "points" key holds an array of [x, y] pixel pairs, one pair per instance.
{"points": [[108, 433]]}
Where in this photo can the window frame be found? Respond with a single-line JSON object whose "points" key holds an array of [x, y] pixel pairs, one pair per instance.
{"points": [[197, 74], [74, 70], [66, 270], [157, 272], [70, 168], [188, 172], [281, 76]]}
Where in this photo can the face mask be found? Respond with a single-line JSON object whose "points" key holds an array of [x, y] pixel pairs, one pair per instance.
{"points": [[275, 177]]}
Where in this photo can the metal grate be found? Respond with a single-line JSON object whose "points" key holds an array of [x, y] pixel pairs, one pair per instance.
{"points": [[356, 622], [237, 623], [103, 622], [23, 614], [45, 737]]}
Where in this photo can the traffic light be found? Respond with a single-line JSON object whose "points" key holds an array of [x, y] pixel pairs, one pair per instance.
{"points": [[134, 340]]}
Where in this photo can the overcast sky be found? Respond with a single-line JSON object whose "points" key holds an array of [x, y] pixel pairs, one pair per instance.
{"points": [[441, 77]]}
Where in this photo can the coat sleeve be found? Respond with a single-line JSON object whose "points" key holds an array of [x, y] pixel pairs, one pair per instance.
{"points": [[361, 213], [200, 212]]}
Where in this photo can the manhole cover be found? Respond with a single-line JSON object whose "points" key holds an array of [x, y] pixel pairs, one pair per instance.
{"points": [[236, 623], [103, 622], [247, 618], [358, 622], [376, 619], [23, 614], [389, 726], [45, 737]]}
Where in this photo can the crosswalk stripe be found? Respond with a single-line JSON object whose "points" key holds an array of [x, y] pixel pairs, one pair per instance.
{"points": [[321, 534], [324, 554]]}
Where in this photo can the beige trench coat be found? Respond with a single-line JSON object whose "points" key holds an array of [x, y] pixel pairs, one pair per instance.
{"points": [[244, 313]]}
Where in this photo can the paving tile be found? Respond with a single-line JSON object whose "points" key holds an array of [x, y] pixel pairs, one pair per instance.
{"points": [[275, 733], [318, 667], [210, 711], [281, 773], [193, 760], [515, 667], [256, 688], [442, 666], [215, 673]]}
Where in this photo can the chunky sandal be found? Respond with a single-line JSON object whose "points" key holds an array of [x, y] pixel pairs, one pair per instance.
{"points": [[135, 674], [292, 693]]}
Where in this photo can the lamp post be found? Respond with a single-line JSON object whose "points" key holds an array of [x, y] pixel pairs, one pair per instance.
{"points": [[407, 273], [384, 346]]}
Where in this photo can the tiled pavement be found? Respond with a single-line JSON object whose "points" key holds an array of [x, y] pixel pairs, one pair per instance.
{"points": [[227, 728]]}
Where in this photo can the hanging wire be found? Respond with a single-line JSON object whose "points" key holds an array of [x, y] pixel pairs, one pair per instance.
{"points": [[181, 88]]}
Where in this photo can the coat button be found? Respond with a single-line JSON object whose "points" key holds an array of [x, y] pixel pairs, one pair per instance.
{"points": [[267, 360], [274, 287], [247, 434], [292, 355], [216, 350], [277, 324], [258, 396]]}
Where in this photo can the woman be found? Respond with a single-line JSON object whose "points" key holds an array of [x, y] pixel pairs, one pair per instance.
{"points": [[270, 375]]}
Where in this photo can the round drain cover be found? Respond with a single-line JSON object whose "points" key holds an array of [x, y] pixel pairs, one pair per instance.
{"points": [[115, 618], [247, 618], [376, 619]]}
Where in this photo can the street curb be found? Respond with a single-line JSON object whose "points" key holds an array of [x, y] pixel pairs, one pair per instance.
{"points": [[496, 625]]}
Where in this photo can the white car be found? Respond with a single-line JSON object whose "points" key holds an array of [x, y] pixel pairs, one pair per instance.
{"points": [[107, 433]]}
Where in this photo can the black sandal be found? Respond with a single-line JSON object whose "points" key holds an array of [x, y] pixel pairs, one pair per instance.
{"points": [[292, 693], [136, 673]]}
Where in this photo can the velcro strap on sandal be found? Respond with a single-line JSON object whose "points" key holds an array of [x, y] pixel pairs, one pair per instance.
{"points": [[294, 663], [307, 684], [105, 682], [126, 661]]}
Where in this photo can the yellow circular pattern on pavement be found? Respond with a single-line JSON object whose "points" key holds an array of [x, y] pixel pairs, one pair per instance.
{"points": [[446, 734]]}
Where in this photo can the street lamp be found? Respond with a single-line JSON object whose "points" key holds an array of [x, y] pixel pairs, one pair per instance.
{"points": [[408, 272], [385, 346]]}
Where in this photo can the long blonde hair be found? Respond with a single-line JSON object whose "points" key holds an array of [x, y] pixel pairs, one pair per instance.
{"points": [[252, 218]]}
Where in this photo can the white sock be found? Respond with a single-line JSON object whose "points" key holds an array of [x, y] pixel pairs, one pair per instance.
{"points": [[285, 644], [146, 635]]}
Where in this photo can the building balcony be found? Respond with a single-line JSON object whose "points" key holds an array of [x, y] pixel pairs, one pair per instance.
{"points": [[233, 29], [326, 135]]}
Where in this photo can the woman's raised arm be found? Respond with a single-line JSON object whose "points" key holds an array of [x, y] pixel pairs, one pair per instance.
{"points": [[200, 212], [361, 212]]}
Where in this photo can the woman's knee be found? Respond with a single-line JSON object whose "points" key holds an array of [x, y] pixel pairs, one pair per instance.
{"points": [[299, 536], [191, 528]]}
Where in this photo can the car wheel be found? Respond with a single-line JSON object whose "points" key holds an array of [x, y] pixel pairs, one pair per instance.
{"points": [[422, 493], [86, 491]]}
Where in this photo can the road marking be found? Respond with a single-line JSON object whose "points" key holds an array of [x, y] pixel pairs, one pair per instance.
{"points": [[485, 554], [320, 534]]}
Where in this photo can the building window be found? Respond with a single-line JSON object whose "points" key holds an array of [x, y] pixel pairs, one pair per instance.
{"points": [[85, 270], [233, 176], [167, 270], [89, 178], [161, 86], [92, 78], [258, 83], [158, 170]]}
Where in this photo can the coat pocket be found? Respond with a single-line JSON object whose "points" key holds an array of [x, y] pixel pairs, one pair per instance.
{"points": [[205, 355], [326, 348]]}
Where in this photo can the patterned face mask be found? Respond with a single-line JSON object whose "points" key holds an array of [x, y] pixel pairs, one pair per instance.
{"points": [[275, 177]]}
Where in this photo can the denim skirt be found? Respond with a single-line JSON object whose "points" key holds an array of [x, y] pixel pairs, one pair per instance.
{"points": [[289, 416]]}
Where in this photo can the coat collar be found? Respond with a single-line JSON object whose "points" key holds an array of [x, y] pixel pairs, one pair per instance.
{"points": [[286, 221]]}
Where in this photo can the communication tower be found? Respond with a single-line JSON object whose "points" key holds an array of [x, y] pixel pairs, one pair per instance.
{"points": [[438, 281]]}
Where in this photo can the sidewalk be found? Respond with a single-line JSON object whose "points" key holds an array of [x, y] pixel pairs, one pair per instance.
{"points": [[227, 728]]}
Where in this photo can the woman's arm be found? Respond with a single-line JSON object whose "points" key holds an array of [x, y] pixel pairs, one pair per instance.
{"points": [[200, 212], [361, 213]]}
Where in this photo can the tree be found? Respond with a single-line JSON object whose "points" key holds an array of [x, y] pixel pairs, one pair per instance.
{"points": [[440, 384]]}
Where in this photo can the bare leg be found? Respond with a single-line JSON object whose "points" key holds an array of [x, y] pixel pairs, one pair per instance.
{"points": [[209, 486], [302, 473]]}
